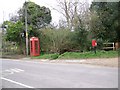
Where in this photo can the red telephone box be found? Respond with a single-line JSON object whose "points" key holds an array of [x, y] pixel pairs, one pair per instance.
{"points": [[34, 46], [94, 43]]}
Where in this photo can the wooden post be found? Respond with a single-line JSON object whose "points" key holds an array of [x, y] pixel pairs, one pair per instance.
{"points": [[113, 46]]}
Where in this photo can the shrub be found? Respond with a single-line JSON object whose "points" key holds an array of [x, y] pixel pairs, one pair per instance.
{"points": [[54, 56]]}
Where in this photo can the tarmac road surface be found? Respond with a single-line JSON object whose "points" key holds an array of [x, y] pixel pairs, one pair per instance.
{"points": [[35, 74]]}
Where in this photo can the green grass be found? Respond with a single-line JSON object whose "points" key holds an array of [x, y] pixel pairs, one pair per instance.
{"points": [[78, 55], [99, 54]]}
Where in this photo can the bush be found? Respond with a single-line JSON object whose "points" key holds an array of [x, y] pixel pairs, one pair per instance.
{"points": [[57, 41], [54, 56]]}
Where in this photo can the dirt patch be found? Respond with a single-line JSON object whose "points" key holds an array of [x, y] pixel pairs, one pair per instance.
{"points": [[112, 62]]}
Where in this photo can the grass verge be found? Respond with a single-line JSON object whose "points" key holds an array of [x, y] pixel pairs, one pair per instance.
{"points": [[85, 55], [78, 55]]}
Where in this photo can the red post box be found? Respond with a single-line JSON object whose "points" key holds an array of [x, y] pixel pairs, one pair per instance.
{"points": [[94, 43], [34, 46]]}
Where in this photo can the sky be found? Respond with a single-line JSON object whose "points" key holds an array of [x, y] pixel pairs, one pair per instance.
{"points": [[10, 7]]}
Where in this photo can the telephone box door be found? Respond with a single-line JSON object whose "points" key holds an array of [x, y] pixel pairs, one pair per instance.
{"points": [[34, 46]]}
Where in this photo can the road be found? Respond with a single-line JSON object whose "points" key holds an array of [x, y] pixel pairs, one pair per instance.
{"points": [[35, 74]]}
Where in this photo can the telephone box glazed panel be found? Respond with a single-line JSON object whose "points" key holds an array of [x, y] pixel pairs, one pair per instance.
{"points": [[34, 46]]}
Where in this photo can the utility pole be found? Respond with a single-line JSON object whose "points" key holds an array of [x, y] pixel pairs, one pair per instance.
{"points": [[1, 37], [3, 43], [26, 28]]}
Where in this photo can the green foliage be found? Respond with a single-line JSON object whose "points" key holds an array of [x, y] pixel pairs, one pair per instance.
{"points": [[77, 55], [81, 37], [63, 40], [14, 30], [99, 54], [56, 41], [105, 20], [54, 56], [104, 26], [47, 56], [37, 17], [9, 48]]}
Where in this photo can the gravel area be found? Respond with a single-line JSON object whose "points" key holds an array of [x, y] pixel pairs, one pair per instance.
{"points": [[110, 62]]}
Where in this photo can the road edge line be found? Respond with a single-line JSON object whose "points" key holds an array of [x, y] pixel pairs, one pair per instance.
{"points": [[21, 84]]}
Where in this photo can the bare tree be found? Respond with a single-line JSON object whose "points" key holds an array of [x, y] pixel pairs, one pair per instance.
{"points": [[73, 11], [62, 23]]}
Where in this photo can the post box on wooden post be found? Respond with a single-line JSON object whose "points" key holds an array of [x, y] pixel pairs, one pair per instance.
{"points": [[94, 44]]}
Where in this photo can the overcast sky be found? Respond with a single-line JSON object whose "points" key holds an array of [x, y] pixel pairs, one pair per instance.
{"points": [[9, 7]]}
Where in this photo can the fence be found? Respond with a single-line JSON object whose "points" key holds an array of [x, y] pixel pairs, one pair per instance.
{"points": [[109, 46]]}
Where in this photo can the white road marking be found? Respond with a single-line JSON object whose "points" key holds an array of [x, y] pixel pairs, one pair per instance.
{"points": [[21, 84], [14, 70], [11, 71], [8, 71], [19, 69]]}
